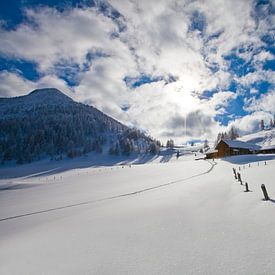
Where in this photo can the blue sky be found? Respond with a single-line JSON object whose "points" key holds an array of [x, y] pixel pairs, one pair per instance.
{"points": [[150, 64]]}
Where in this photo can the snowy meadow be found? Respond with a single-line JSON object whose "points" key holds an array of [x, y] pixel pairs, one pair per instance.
{"points": [[184, 216]]}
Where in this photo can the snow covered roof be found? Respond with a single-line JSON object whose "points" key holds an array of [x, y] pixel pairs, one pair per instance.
{"points": [[211, 151], [241, 144], [270, 147]]}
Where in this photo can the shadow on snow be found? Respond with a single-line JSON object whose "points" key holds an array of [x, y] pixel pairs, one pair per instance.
{"points": [[244, 159], [48, 167]]}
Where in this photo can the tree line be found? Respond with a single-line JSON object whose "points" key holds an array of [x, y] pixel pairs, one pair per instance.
{"points": [[70, 130], [231, 134]]}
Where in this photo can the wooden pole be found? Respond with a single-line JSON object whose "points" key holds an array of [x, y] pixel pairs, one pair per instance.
{"points": [[266, 197], [239, 178], [234, 172], [246, 187]]}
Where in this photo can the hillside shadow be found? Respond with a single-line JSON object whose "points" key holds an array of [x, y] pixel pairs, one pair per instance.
{"points": [[244, 159], [48, 167], [143, 159], [167, 155], [8, 187]]}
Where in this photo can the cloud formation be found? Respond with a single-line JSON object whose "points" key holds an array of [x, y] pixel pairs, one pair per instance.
{"points": [[191, 59]]}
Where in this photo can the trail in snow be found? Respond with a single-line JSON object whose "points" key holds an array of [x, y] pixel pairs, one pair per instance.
{"points": [[205, 225], [212, 165]]}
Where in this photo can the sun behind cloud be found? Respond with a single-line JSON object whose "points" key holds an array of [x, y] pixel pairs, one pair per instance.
{"points": [[185, 69]]}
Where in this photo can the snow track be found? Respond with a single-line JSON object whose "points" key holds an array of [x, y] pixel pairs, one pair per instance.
{"points": [[212, 165], [202, 223]]}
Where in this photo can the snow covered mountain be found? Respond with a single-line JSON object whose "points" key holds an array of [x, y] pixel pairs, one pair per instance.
{"points": [[19, 106], [46, 123], [265, 138]]}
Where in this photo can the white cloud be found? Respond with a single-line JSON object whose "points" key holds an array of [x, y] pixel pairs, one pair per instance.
{"points": [[221, 99], [157, 42], [265, 103], [13, 84], [53, 36], [259, 75], [253, 91], [251, 123]]}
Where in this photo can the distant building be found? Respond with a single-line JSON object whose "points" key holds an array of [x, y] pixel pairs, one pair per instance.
{"points": [[227, 147], [211, 154]]}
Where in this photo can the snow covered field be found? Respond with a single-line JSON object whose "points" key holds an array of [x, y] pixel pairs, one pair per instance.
{"points": [[176, 217]]}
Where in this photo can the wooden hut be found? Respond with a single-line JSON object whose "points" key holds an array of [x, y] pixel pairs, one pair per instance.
{"points": [[227, 147], [211, 154]]}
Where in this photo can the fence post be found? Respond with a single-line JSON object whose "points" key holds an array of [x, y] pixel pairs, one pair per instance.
{"points": [[266, 197], [239, 178], [246, 187], [234, 172]]}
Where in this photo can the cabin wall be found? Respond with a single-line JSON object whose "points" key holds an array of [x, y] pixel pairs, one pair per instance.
{"points": [[223, 150], [212, 155]]}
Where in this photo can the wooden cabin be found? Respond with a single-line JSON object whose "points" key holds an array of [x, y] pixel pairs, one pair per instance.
{"points": [[211, 154], [232, 148]]}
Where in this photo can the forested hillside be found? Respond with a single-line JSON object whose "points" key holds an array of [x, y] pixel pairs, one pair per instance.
{"points": [[47, 123]]}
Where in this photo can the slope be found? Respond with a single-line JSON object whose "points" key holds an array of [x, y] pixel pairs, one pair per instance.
{"points": [[201, 224], [263, 138], [47, 123]]}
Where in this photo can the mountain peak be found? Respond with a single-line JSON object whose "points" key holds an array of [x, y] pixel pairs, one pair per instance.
{"points": [[46, 96], [49, 94], [46, 90]]}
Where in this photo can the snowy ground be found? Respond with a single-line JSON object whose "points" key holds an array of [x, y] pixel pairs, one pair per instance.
{"points": [[46, 166], [262, 138], [174, 217]]}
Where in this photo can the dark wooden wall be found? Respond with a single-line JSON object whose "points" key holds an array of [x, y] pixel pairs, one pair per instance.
{"points": [[223, 149]]}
